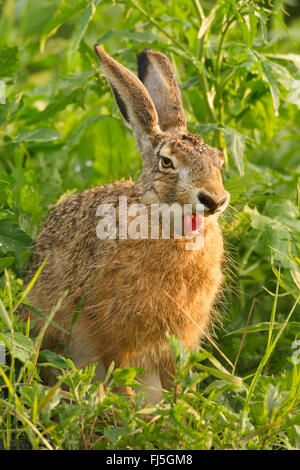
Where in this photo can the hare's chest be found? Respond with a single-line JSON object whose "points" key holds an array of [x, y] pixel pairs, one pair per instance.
{"points": [[173, 298]]}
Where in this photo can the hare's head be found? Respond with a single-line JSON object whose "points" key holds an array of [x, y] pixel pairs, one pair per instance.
{"points": [[178, 166]]}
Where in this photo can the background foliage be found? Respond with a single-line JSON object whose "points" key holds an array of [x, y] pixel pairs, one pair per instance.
{"points": [[61, 132]]}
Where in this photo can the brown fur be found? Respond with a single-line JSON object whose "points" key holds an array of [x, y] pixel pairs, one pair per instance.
{"points": [[156, 73], [134, 291]]}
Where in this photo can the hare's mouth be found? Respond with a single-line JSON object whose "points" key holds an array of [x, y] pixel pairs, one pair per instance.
{"points": [[192, 222]]}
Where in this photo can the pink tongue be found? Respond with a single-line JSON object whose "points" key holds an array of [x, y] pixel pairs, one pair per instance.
{"points": [[192, 222]]}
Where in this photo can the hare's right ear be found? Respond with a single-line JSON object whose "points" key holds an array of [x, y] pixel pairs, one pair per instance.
{"points": [[157, 74], [132, 98]]}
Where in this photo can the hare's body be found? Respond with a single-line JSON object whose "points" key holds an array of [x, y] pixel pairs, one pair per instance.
{"points": [[130, 292], [143, 287]]}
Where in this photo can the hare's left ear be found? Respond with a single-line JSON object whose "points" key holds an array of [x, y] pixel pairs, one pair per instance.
{"points": [[157, 74], [134, 103]]}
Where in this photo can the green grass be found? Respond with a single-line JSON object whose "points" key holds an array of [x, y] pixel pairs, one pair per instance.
{"points": [[61, 132]]}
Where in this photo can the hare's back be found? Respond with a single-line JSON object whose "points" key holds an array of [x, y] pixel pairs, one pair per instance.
{"points": [[68, 236]]}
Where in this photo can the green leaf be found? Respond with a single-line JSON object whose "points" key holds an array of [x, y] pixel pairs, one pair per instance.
{"points": [[230, 379], [278, 224], [114, 434], [81, 28], [19, 345], [52, 359], [268, 75], [295, 58], [30, 199], [87, 54], [126, 375], [10, 108], [74, 138], [263, 19], [134, 36], [294, 94], [236, 144], [57, 104], [66, 12], [272, 400], [8, 61], [37, 136], [12, 238], [76, 81], [6, 262], [71, 91], [285, 212]]}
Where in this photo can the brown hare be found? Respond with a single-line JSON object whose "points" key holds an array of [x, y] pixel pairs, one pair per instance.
{"points": [[132, 290]]}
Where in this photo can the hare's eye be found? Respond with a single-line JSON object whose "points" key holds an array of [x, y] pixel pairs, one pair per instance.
{"points": [[166, 162]]}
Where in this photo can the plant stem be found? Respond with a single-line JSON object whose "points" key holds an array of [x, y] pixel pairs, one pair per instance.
{"points": [[199, 10]]}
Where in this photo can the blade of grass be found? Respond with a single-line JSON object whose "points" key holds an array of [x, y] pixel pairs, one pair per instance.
{"points": [[243, 338], [10, 387], [30, 285], [40, 335], [34, 411], [5, 317], [266, 356], [274, 307], [44, 317], [7, 282], [24, 419], [48, 397]]}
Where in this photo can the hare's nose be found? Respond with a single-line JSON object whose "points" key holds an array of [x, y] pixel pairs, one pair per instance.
{"points": [[212, 204]]}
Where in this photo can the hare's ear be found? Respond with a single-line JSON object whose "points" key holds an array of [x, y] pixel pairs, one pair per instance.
{"points": [[157, 74], [132, 98]]}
